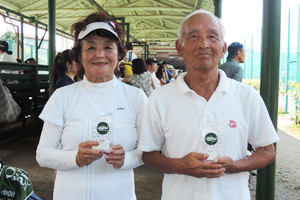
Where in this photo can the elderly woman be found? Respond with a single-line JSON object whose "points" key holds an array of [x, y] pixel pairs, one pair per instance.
{"points": [[77, 115]]}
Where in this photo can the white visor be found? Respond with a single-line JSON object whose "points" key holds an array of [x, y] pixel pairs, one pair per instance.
{"points": [[97, 25]]}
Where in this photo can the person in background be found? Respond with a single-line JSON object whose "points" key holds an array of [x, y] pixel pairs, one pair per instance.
{"points": [[6, 56], [236, 55], [19, 60], [64, 70], [30, 61], [152, 68], [127, 71], [283, 80], [172, 71], [160, 74], [169, 75], [130, 55], [204, 140], [96, 122], [141, 78]]}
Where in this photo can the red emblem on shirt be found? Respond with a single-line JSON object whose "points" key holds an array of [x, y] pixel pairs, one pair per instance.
{"points": [[232, 124]]}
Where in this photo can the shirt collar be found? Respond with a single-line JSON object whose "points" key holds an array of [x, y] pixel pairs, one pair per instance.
{"points": [[109, 84], [184, 88]]}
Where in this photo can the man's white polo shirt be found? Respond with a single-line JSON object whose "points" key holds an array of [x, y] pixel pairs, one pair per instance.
{"points": [[174, 125]]}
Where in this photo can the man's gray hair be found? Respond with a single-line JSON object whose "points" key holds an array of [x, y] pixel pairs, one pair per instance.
{"points": [[200, 11]]}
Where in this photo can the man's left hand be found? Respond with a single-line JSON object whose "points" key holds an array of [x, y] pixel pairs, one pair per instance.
{"points": [[225, 161]]}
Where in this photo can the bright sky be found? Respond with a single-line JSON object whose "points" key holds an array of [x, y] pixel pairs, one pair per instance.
{"points": [[241, 18]]}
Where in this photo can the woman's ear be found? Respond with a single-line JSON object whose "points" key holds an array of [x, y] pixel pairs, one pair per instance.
{"points": [[68, 64]]}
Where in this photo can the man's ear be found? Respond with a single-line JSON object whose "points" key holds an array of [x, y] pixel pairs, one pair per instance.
{"points": [[178, 48], [224, 48]]}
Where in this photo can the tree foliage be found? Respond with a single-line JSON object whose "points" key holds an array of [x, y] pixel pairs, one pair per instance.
{"points": [[9, 35]]}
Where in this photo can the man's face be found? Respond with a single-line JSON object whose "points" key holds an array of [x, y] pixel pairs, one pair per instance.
{"points": [[201, 46], [241, 55], [152, 67]]}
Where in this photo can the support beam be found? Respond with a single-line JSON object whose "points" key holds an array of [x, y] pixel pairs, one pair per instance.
{"points": [[270, 55], [22, 38], [199, 4], [218, 8], [52, 32], [36, 41]]}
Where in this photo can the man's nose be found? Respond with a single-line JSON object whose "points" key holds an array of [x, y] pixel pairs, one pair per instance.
{"points": [[203, 43]]}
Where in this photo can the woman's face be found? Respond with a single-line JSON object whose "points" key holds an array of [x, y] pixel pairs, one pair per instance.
{"points": [[74, 67], [99, 56]]}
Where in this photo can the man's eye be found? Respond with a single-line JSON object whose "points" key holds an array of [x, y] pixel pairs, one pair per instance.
{"points": [[91, 48], [108, 47]]}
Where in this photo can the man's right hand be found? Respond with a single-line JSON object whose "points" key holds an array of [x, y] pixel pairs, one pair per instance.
{"points": [[197, 165], [193, 164]]}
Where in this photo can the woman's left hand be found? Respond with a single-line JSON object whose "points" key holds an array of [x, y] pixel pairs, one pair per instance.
{"points": [[116, 156]]}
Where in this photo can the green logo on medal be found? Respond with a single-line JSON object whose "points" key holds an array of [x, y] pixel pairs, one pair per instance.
{"points": [[211, 138], [102, 128]]}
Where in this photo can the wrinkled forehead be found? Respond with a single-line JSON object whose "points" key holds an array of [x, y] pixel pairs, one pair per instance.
{"points": [[202, 22]]}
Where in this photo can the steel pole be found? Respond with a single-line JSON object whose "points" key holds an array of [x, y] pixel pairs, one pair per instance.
{"points": [[218, 8], [36, 41], [287, 65], [265, 187], [251, 63], [22, 38], [52, 32]]}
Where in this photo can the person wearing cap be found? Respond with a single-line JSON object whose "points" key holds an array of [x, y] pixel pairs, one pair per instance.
{"points": [[6, 56], [236, 55], [172, 71], [95, 122], [169, 74], [130, 55], [152, 68], [201, 145]]}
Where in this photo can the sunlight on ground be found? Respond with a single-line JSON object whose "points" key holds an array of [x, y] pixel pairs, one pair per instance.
{"points": [[286, 124]]}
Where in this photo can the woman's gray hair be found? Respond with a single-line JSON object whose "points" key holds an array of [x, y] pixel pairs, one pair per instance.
{"points": [[200, 11]]}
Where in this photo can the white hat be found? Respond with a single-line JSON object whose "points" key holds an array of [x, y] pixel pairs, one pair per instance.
{"points": [[97, 25]]}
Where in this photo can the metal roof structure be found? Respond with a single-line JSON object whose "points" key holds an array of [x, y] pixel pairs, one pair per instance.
{"points": [[151, 21]]}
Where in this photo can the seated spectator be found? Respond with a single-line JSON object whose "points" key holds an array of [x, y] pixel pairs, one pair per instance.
{"points": [[172, 70], [141, 78], [126, 69], [161, 74], [169, 75], [130, 56], [65, 68], [6, 56], [30, 61], [152, 68]]}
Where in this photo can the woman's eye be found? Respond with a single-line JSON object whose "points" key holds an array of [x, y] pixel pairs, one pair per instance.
{"points": [[108, 47], [91, 48]]}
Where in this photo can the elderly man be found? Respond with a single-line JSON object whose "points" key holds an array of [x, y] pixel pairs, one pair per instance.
{"points": [[204, 140], [236, 55]]}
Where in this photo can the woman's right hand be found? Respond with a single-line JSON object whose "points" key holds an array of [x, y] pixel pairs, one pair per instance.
{"points": [[86, 155]]}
